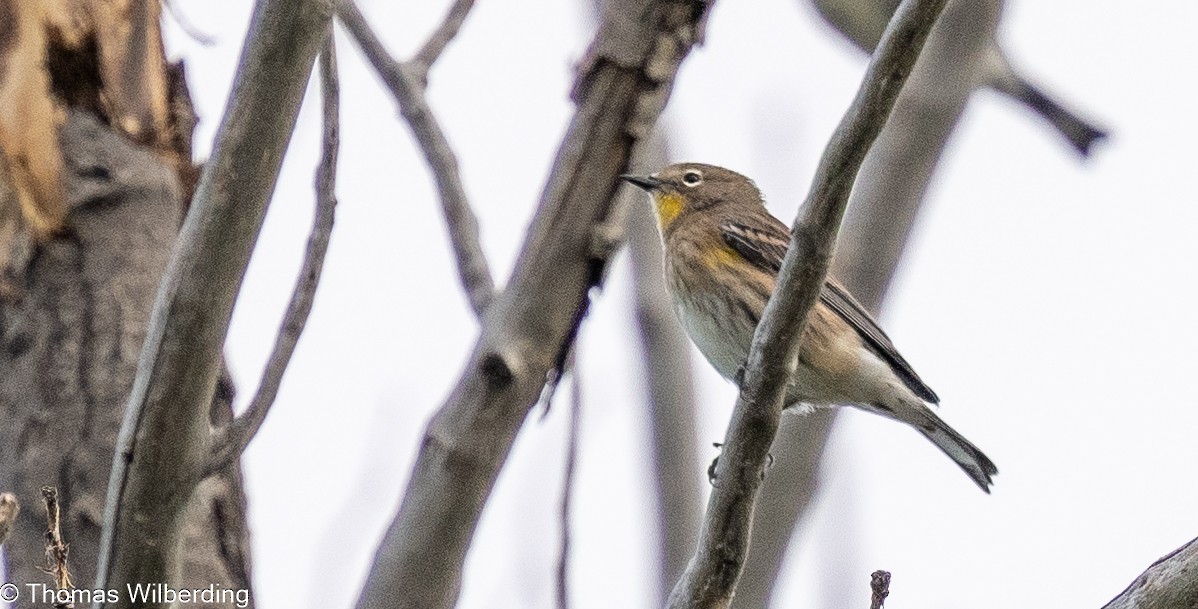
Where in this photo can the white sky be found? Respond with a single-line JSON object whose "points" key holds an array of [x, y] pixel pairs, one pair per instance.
{"points": [[1048, 302]]}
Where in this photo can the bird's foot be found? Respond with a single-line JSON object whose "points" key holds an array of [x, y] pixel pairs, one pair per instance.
{"points": [[711, 469], [739, 377]]}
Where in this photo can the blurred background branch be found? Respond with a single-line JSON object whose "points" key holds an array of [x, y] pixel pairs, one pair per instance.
{"points": [[665, 360], [861, 21]]}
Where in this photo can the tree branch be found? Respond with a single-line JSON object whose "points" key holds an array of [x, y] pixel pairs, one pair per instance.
{"points": [[1170, 583], [232, 440], [165, 438], [406, 82], [883, 209], [710, 579], [431, 51], [622, 84]]}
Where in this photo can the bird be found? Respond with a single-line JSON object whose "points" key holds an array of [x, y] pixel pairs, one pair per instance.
{"points": [[722, 252]]}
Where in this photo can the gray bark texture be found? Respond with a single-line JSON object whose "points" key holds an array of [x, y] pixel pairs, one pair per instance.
{"points": [[68, 352], [1170, 583]]}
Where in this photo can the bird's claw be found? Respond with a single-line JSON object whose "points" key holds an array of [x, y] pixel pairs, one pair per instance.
{"points": [[711, 469]]}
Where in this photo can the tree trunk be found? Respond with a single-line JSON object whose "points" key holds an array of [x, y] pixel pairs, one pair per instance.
{"points": [[69, 344]]}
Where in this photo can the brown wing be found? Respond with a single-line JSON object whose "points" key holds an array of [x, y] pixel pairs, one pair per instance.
{"points": [[765, 247]]}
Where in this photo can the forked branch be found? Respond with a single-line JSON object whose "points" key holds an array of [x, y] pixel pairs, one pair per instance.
{"points": [[406, 81], [165, 438], [232, 441]]}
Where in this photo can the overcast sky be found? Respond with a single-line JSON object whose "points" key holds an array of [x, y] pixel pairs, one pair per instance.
{"points": [[1048, 301]]}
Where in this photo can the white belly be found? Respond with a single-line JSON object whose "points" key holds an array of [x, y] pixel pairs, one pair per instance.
{"points": [[724, 337]]}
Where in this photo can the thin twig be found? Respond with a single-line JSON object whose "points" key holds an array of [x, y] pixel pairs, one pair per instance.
{"points": [[441, 38], [405, 81], [56, 549], [10, 508], [187, 26], [575, 417], [232, 442], [710, 579], [879, 587]]}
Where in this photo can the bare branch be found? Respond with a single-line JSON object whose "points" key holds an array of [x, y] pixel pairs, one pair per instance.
{"points": [[232, 440], [786, 495], [710, 579], [622, 84], [879, 588], [563, 563], [10, 508], [441, 38], [405, 81], [883, 209], [56, 549], [165, 438], [1170, 583]]}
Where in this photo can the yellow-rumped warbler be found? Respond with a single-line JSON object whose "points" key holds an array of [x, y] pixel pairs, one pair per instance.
{"points": [[723, 250]]}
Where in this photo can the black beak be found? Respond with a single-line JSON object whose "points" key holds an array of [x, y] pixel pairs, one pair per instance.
{"points": [[647, 183]]}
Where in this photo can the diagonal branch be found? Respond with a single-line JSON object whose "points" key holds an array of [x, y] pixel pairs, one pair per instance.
{"points": [[621, 87], [432, 49], [406, 83], [232, 440], [165, 437], [1170, 583], [710, 579], [885, 203]]}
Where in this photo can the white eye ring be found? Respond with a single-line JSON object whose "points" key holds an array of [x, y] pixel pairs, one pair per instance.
{"points": [[692, 178]]}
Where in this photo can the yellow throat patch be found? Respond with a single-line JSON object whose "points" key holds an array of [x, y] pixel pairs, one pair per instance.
{"points": [[667, 205]]}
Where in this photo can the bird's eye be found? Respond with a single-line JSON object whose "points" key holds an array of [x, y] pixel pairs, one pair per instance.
{"points": [[692, 178]]}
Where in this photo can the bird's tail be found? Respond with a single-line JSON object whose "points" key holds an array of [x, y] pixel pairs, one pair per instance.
{"points": [[978, 466]]}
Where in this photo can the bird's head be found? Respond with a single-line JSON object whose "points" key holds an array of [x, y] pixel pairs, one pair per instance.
{"points": [[684, 188]]}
